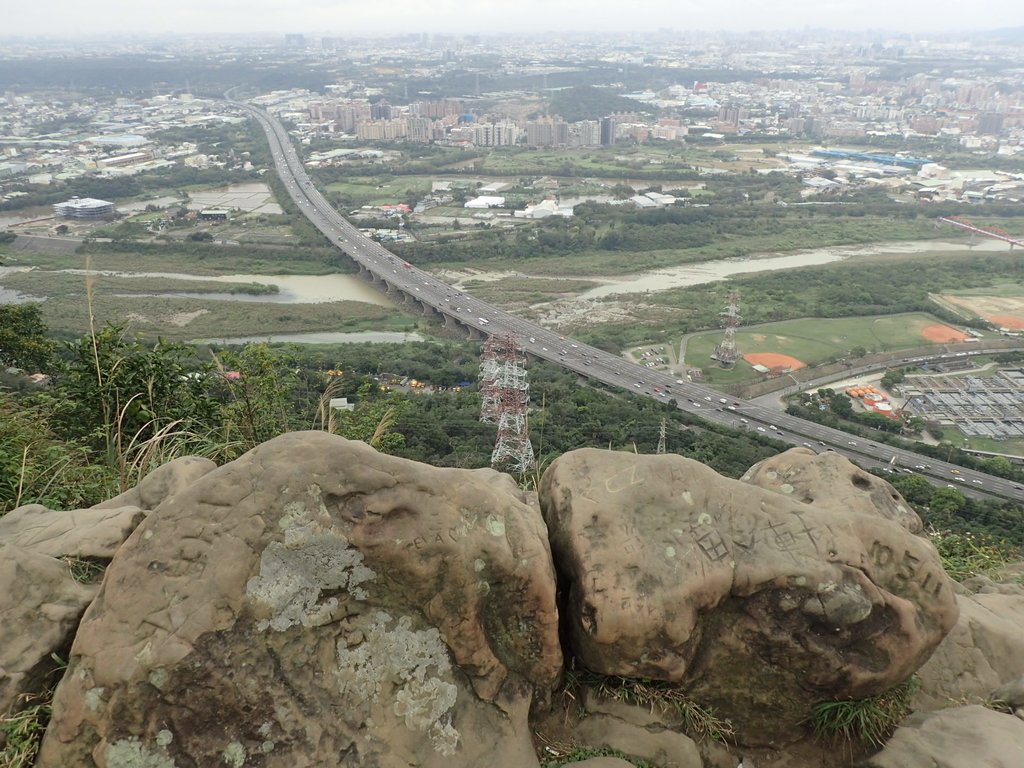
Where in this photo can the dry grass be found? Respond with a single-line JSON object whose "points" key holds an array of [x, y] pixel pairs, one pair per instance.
{"points": [[697, 721]]}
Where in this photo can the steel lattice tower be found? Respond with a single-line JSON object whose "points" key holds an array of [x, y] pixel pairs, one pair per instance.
{"points": [[489, 371], [726, 352], [505, 400]]}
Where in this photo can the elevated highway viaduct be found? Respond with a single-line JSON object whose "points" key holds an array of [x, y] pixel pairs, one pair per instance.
{"points": [[424, 292]]}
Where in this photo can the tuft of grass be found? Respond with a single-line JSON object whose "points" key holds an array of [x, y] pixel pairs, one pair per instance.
{"points": [[85, 570], [22, 731], [868, 721], [555, 754], [697, 721]]}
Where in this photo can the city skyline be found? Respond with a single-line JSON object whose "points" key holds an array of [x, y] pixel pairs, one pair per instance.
{"points": [[316, 17]]}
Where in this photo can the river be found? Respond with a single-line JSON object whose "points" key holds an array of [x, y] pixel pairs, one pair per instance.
{"points": [[294, 289], [710, 271], [322, 337]]}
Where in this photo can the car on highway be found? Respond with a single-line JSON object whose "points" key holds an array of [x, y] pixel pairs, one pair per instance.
{"points": [[851, 442], [954, 471], [976, 481]]}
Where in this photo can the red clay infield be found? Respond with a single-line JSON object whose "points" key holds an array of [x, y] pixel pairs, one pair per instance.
{"points": [[942, 334], [773, 360]]}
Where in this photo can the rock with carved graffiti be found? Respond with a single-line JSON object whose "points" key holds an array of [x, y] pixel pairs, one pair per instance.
{"points": [[317, 603], [758, 603]]}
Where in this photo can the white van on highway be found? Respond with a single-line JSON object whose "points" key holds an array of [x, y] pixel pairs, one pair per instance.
{"points": [[483, 320]]}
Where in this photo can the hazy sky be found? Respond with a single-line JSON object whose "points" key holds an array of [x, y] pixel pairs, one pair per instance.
{"points": [[315, 17]]}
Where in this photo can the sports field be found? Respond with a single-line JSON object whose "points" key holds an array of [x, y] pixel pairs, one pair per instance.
{"points": [[810, 341], [1002, 305]]}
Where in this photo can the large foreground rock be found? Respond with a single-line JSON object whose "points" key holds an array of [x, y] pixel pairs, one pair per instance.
{"points": [[316, 603], [81, 533], [830, 482], [983, 651], [40, 605], [41, 601], [162, 483], [961, 737], [759, 603]]}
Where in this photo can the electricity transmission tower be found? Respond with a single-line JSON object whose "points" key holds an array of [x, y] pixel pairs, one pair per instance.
{"points": [[505, 401], [726, 352]]}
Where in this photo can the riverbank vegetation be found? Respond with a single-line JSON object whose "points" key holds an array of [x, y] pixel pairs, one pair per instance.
{"points": [[880, 286]]}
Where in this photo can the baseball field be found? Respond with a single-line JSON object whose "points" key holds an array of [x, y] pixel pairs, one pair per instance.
{"points": [[794, 344]]}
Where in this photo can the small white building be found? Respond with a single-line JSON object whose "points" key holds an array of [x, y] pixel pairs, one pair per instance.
{"points": [[486, 201], [541, 210]]}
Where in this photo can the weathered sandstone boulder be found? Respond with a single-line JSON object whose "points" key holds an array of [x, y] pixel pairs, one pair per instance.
{"points": [[984, 650], [960, 737], [829, 481], [1010, 694], [759, 604], [659, 746], [40, 606], [41, 601], [161, 483], [83, 533], [316, 603]]}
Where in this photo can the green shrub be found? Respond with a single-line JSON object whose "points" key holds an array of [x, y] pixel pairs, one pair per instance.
{"points": [[972, 554], [575, 754], [868, 721]]}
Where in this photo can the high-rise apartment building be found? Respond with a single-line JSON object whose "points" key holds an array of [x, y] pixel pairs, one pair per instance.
{"points": [[607, 131]]}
